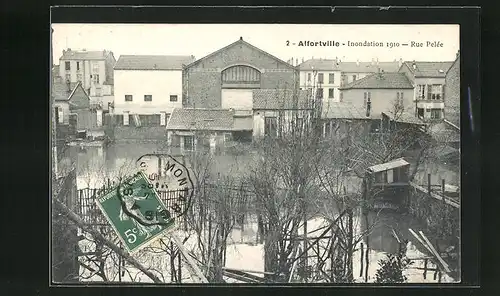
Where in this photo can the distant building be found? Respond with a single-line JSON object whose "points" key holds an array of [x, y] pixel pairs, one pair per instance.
{"points": [[380, 92], [73, 112], [276, 111], [452, 90], [193, 129], [149, 85], [428, 79], [94, 69], [323, 77], [326, 76], [226, 78], [338, 119]]}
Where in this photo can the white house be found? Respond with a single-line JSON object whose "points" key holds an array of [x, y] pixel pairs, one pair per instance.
{"points": [[323, 77], [148, 85]]}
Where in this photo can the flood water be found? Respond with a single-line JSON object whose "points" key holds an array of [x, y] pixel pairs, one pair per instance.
{"points": [[95, 165]]}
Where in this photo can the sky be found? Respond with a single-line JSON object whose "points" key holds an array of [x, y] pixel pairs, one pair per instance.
{"points": [[202, 39]]}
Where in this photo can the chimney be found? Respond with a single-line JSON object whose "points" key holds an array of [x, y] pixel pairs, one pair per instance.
{"points": [[68, 86], [458, 53], [377, 61], [373, 62], [414, 65], [296, 61], [400, 61], [302, 59], [241, 38], [357, 63]]}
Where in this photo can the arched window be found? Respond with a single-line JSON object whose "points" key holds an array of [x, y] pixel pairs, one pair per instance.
{"points": [[240, 75]]}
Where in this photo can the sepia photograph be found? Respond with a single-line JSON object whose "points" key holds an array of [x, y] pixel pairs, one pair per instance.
{"points": [[255, 153]]}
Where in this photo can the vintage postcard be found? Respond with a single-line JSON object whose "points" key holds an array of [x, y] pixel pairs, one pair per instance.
{"points": [[255, 153]]}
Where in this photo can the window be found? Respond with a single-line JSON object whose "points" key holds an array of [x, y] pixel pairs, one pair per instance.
{"points": [[330, 93], [188, 143], [173, 98], [319, 93], [399, 98], [331, 78], [163, 118], [270, 126], [79, 77], [341, 96], [148, 98], [420, 112], [308, 76], [128, 98], [320, 78], [68, 77], [95, 67], [436, 113], [435, 92], [125, 117], [77, 66], [228, 137], [367, 98], [67, 66], [95, 77], [421, 91], [353, 77]]}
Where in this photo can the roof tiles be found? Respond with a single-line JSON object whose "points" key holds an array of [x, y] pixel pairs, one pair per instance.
{"points": [[381, 81], [429, 69], [201, 119], [342, 110]]}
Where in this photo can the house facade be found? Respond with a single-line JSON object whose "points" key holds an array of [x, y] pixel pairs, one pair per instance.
{"points": [[380, 92], [280, 111], [452, 90], [428, 79], [94, 69], [326, 76], [75, 117], [148, 85], [322, 76], [226, 78]]}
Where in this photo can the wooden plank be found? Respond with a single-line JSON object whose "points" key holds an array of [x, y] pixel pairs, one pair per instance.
{"points": [[448, 201], [191, 264], [445, 265], [246, 270], [420, 240], [239, 277]]}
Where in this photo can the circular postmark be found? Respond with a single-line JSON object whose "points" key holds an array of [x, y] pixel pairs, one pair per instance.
{"points": [[170, 179]]}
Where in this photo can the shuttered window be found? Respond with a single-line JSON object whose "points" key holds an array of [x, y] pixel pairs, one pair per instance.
{"points": [[125, 118]]}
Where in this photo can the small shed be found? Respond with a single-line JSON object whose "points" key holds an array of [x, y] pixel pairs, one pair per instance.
{"points": [[387, 184]]}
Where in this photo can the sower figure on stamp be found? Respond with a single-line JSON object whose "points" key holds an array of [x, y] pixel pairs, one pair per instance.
{"points": [[130, 201]]}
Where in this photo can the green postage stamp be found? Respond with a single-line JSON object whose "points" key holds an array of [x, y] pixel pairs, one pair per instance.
{"points": [[136, 213]]}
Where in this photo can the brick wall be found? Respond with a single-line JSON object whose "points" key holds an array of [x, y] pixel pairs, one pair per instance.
{"points": [[202, 81], [452, 94]]}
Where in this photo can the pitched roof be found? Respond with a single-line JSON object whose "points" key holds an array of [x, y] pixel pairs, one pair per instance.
{"points": [[152, 62], [201, 119], [84, 55], [444, 132], [381, 81], [240, 41], [429, 69], [348, 67], [405, 117], [342, 110], [395, 163], [60, 90], [274, 99]]}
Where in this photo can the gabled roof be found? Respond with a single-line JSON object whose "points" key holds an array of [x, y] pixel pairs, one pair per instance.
{"points": [[84, 55], [342, 110], [348, 67], [381, 81], [276, 99], [61, 92], [240, 41], [428, 69], [201, 119], [153, 62]]}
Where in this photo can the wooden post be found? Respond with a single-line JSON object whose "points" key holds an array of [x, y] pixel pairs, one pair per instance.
{"points": [[179, 270], [426, 261], [172, 268], [429, 183], [361, 260]]}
